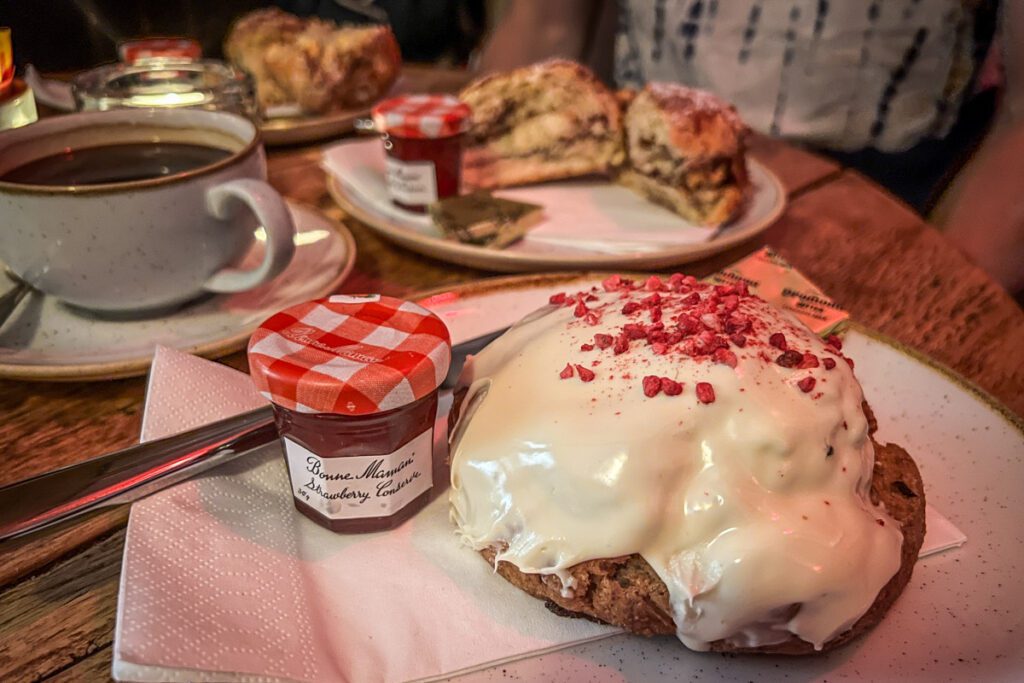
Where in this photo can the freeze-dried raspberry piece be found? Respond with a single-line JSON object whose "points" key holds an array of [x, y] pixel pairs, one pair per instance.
{"points": [[671, 387], [705, 392], [725, 357], [586, 374]]}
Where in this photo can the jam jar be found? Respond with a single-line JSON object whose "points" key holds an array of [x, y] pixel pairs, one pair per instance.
{"points": [[422, 137], [354, 382]]}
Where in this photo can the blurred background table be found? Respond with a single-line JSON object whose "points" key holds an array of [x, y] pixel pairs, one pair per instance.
{"points": [[873, 255]]}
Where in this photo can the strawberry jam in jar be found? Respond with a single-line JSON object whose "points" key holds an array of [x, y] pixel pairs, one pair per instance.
{"points": [[422, 137], [354, 381]]}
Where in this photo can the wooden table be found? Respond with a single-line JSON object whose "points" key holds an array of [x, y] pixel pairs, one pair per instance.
{"points": [[879, 260]]}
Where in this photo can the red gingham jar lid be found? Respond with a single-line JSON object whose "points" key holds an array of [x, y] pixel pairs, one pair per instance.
{"points": [[132, 51], [349, 355], [422, 116]]}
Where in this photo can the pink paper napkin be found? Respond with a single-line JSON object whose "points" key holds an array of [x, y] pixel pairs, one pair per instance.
{"points": [[223, 581]]}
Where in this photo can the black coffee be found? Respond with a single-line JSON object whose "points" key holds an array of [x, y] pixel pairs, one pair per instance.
{"points": [[115, 163]]}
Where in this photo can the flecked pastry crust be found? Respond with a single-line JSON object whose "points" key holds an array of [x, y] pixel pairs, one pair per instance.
{"points": [[678, 147], [626, 592], [546, 121], [686, 150], [248, 40]]}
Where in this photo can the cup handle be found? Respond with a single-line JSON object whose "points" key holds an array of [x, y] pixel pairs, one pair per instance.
{"points": [[272, 213]]}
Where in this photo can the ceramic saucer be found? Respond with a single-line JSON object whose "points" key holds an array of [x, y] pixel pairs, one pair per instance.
{"points": [[47, 340]]}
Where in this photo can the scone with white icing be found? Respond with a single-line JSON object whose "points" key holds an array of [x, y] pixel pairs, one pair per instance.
{"points": [[676, 457]]}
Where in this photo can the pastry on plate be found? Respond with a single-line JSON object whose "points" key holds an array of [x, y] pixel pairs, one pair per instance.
{"points": [[673, 457], [546, 121], [686, 151], [247, 42], [679, 147], [314, 63]]}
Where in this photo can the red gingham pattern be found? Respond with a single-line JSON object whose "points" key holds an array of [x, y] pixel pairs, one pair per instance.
{"points": [[421, 116], [349, 355], [150, 48]]}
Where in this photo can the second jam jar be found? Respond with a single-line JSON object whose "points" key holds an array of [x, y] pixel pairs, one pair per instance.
{"points": [[354, 382], [423, 147]]}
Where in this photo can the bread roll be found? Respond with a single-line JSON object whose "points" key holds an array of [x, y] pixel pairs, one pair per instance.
{"points": [[311, 62], [547, 121], [686, 151]]}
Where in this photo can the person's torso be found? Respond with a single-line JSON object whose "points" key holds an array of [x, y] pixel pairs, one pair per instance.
{"points": [[844, 74]]}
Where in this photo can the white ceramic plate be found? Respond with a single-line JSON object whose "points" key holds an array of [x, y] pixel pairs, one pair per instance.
{"points": [[764, 206], [46, 340], [302, 128], [954, 621], [961, 615]]}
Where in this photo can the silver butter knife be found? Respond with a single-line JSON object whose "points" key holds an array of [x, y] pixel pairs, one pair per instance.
{"points": [[133, 473]]}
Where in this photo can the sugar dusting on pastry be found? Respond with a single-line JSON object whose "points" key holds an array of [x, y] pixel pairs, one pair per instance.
{"points": [[694, 425], [686, 151]]}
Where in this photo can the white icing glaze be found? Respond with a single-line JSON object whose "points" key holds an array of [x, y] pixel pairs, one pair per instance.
{"points": [[735, 504]]}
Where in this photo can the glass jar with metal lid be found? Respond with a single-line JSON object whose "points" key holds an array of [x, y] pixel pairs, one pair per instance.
{"points": [[169, 82]]}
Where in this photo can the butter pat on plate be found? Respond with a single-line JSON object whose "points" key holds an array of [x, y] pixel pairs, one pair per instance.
{"points": [[481, 218]]}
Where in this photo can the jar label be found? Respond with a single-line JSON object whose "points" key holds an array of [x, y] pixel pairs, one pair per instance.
{"points": [[363, 485], [354, 299], [413, 183]]}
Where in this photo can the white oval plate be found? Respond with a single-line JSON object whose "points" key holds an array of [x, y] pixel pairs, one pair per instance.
{"points": [[960, 616], [298, 128], [766, 204], [954, 622], [46, 340]]}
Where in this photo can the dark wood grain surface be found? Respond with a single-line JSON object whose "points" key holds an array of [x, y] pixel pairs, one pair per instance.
{"points": [[879, 260]]}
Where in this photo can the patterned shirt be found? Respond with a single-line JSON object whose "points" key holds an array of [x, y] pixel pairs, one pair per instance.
{"points": [[840, 74]]}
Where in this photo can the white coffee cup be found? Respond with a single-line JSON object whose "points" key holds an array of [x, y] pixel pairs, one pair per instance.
{"points": [[142, 244]]}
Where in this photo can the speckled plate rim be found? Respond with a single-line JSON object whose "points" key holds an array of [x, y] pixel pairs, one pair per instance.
{"points": [[139, 365], [486, 286], [518, 262], [294, 130]]}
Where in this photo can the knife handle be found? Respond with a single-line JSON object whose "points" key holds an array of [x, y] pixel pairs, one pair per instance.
{"points": [[133, 473], [129, 474]]}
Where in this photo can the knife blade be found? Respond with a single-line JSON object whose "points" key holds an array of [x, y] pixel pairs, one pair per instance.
{"points": [[132, 473]]}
